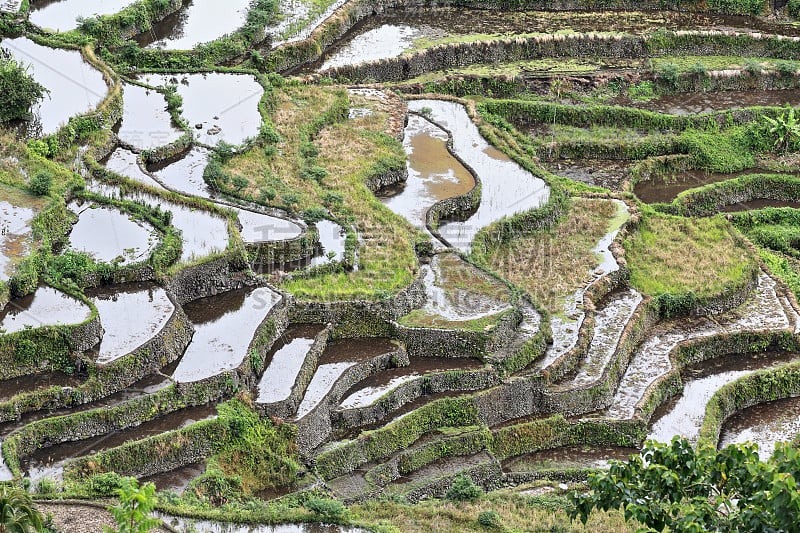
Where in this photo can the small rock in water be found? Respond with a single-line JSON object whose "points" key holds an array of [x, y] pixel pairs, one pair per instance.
{"points": [[198, 126], [214, 130]]}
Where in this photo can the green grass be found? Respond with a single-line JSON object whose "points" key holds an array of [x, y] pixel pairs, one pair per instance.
{"points": [[517, 513], [691, 63], [462, 282], [350, 151], [676, 255], [552, 265]]}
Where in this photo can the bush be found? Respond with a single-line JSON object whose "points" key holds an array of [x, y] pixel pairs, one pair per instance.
{"points": [[40, 183], [105, 484], [793, 8], [326, 509], [490, 519], [18, 90], [464, 489]]}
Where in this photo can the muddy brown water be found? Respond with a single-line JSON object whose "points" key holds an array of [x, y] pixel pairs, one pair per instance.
{"points": [[568, 457], [131, 315], [232, 118], [684, 414], [11, 387], [666, 188], [372, 388], [108, 235], [506, 188], [15, 235], [225, 325], [706, 102], [62, 15], [45, 307], [48, 462], [145, 123], [284, 361], [199, 21], [433, 173], [75, 86], [765, 424], [177, 480]]}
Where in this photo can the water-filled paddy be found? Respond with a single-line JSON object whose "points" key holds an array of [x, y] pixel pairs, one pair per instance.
{"points": [[63, 15], [199, 21], [75, 86], [232, 119], [225, 325], [109, 235], [45, 307]]}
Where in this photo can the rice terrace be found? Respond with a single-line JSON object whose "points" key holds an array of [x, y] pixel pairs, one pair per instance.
{"points": [[340, 266]]}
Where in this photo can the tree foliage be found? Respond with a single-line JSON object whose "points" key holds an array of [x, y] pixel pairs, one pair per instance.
{"points": [[18, 90], [683, 489]]}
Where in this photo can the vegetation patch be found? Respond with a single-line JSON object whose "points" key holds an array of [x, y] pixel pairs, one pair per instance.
{"points": [[676, 256], [311, 160], [552, 264]]}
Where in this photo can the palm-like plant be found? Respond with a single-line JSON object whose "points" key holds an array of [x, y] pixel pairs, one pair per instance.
{"points": [[785, 128], [17, 514]]}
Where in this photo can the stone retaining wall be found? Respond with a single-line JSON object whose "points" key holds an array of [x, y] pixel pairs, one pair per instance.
{"points": [[316, 427], [287, 407]]}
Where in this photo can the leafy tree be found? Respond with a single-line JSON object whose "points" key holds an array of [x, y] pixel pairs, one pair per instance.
{"points": [[18, 90], [690, 490], [17, 514], [785, 128], [135, 505]]}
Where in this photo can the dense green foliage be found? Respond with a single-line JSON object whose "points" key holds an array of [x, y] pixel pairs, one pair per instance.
{"points": [[17, 514], [683, 489], [132, 513], [18, 90]]}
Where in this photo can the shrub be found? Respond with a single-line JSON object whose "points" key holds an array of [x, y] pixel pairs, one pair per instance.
{"points": [[490, 519], [135, 505], [793, 8], [668, 73], [105, 484], [315, 173], [326, 509], [40, 183], [464, 489], [18, 90]]}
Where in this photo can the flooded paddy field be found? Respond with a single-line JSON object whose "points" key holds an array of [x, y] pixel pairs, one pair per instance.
{"points": [[75, 87], [399, 379]]}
